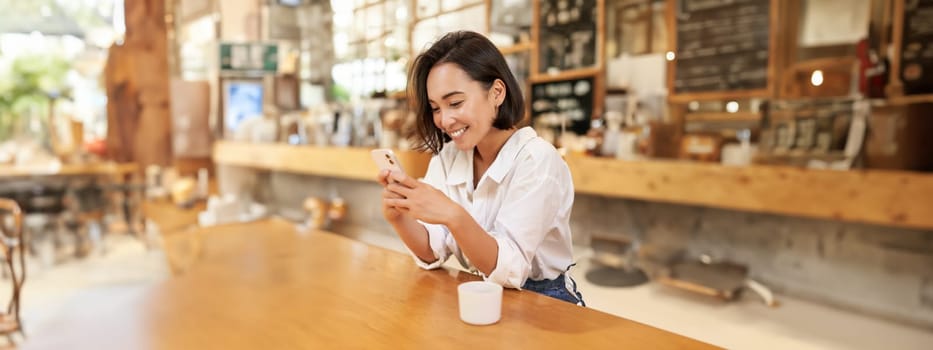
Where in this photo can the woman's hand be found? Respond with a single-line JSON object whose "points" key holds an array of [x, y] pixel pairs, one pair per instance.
{"points": [[391, 213], [418, 200]]}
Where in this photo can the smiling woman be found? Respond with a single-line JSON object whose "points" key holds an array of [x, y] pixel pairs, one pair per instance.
{"points": [[474, 57], [495, 196]]}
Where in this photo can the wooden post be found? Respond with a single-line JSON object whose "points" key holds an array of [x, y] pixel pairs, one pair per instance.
{"points": [[895, 86], [137, 77]]}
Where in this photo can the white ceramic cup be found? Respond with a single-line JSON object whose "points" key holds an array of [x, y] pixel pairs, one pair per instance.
{"points": [[480, 302]]}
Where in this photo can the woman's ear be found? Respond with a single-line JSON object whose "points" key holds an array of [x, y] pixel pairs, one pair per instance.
{"points": [[498, 92]]}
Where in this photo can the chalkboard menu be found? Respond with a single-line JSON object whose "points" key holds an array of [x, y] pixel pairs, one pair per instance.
{"points": [[916, 71], [722, 45], [567, 36], [567, 100]]}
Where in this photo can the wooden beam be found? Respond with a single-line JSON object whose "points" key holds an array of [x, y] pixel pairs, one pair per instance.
{"points": [[535, 37], [774, 55], [599, 95], [895, 85], [670, 17], [786, 56], [891, 198], [513, 49], [488, 4], [341, 162]]}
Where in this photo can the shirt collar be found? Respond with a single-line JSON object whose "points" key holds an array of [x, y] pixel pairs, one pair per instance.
{"points": [[462, 169], [506, 158]]}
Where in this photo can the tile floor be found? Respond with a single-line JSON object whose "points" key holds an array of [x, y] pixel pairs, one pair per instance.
{"points": [[124, 262], [746, 324]]}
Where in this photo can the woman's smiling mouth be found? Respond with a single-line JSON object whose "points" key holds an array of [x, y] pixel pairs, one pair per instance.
{"points": [[458, 132]]}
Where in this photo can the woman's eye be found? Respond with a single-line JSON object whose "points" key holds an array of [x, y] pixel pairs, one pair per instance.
{"points": [[435, 110], [456, 104]]}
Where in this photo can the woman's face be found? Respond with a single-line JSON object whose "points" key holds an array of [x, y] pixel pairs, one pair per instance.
{"points": [[462, 107]]}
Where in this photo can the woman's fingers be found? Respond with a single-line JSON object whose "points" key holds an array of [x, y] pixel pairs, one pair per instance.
{"points": [[396, 202], [383, 177], [403, 179], [389, 194], [399, 189]]}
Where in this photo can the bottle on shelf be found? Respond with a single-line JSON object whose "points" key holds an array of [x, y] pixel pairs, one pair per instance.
{"points": [[593, 142], [611, 137]]}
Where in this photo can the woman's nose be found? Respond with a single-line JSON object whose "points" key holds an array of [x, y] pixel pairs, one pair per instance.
{"points": [[447, 118]]}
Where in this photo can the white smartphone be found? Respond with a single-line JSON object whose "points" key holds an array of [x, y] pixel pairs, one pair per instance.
{"points": [[386, 159]]}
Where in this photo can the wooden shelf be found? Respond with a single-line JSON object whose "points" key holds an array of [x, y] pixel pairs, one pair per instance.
{"points": [[841, 63], [96, 169], [341, 162], [718, 95], [565, 75], [723, 116], [911, 99], [892, 198], [617, 91]]}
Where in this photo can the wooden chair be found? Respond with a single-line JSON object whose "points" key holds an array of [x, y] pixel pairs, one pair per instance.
{"points": [[12, 247]]}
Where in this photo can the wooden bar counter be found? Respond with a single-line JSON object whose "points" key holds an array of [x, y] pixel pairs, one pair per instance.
{"points": [[265, 285]]}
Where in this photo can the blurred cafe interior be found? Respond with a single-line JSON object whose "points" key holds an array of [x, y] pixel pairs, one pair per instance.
{"points": [[196, 174]]}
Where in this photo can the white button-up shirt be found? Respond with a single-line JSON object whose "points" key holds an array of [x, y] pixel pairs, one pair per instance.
{"points": [[523, 201]]}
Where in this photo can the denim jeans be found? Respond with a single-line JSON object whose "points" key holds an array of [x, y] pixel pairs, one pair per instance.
{"points": [[556, 288]]}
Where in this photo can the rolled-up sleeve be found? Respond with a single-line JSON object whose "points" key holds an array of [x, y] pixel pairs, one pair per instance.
{"points": [[437, 234], [512, 267], [532, 203], [437, 238]]}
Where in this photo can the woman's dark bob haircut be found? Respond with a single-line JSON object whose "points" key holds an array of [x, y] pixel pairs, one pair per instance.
{"points": [[483, 62]]}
